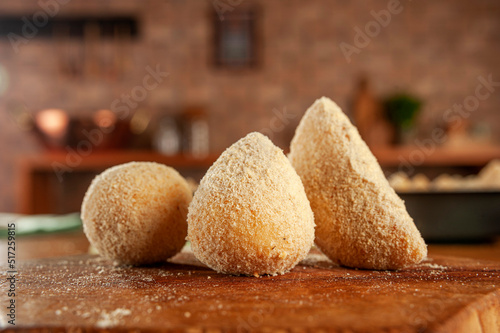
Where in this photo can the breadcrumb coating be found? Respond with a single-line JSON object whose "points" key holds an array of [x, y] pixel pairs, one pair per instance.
{"points": [[135, 213], [250, 214], [361, 222]]}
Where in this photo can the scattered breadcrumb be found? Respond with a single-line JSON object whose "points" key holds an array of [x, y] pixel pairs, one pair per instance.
{"points": [[109, 319], [434, 266]]}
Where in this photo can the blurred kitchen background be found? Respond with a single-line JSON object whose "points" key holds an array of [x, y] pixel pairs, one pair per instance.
{"points": [[86, 84]]}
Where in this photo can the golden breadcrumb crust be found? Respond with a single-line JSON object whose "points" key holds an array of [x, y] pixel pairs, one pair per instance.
{"points": [[250, 214], [135, 213], [361, 222]]}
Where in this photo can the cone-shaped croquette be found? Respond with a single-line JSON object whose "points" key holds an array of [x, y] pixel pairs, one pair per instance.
{"points": [[360, 220], [250, 215]]}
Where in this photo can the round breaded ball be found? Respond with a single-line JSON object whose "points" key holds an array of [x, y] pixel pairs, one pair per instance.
{"points": [[135, 213], [250, 215]]}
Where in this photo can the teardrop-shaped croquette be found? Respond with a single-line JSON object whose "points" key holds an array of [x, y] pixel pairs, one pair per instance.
{"points": [[250, 215], [360, 220]]}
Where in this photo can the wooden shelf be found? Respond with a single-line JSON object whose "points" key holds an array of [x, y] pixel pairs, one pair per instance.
{"points": [[40, 183], [36, 173], [106, 159]]}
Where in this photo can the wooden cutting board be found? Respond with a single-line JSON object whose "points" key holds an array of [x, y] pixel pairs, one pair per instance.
{"points": [[443, 294]]}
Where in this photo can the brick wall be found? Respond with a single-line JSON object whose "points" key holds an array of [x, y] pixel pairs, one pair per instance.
{"points": [[434, 49]]}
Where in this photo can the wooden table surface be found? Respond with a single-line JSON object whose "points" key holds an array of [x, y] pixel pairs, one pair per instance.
{"points": [[443, 294]]}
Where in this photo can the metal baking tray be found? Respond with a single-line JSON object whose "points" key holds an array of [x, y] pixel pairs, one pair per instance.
{"points": [[455, 216]]}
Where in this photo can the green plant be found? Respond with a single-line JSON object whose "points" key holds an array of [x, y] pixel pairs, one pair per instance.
{"points": [[402, 110]]}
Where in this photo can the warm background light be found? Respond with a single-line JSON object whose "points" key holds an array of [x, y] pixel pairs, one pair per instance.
{"points": [[52, 122], [104, 118]]}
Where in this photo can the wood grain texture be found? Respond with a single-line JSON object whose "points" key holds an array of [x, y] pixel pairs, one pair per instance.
{"points": [[443, 294]]}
